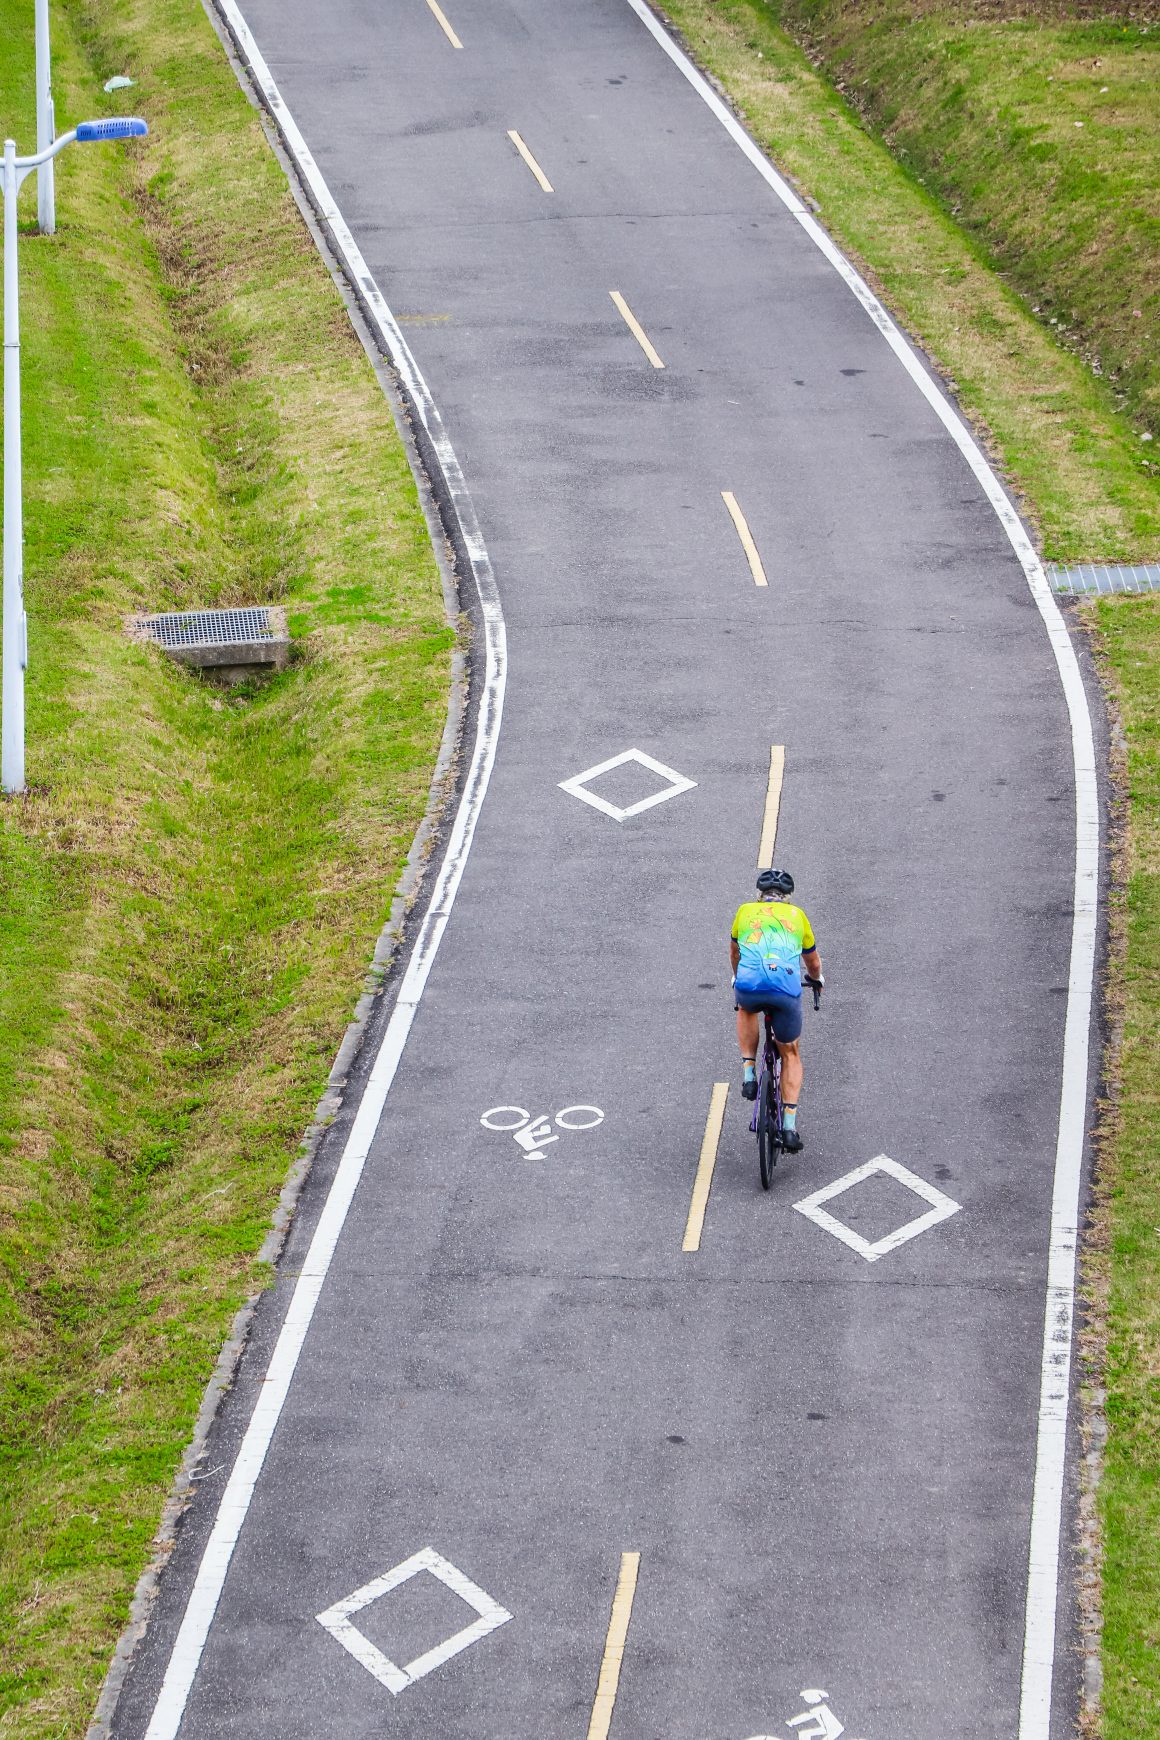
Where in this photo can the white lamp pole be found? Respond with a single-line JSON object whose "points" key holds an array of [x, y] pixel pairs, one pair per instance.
{"points": [[15, 648], [15, 628], [45, 124]]}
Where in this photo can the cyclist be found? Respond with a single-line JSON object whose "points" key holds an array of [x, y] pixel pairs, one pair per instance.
{"points": [[770, 939]]}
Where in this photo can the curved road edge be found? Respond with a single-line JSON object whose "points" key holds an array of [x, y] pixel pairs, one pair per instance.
{"points": [[1058, 1329], [445, 477], [211, 1574], [1047, 1510]]}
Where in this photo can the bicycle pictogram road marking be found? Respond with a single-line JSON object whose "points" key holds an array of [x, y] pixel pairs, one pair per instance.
{"points": [[533, 1134], [816, 1722]]}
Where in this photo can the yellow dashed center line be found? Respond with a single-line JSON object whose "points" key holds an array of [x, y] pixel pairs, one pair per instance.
{"points": [[772, 806], [444, 25], [636, 329], [614, 1647], [530, 160], [710, 1142], [746, 536]]}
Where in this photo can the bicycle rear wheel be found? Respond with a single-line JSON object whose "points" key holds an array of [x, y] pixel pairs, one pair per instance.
{"points": [[769, 1113], [767, 1130]]}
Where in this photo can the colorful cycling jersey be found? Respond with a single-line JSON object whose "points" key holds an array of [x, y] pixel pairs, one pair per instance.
{"points": [[772, 937]]}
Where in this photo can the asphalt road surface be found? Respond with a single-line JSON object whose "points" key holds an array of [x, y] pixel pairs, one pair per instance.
{"points": [[824, 1462]]}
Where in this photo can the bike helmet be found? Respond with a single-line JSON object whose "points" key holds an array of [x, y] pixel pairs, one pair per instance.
{"points": [[778, 882]]}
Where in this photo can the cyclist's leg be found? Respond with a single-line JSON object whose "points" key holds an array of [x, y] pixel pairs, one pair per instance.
{"points": [[791, 1070], [791, 1087], [787, 1025], [748, 1022], [748, 1025]]}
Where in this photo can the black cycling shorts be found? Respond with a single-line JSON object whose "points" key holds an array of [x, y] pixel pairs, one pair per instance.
{"points": [[786, 1011]]}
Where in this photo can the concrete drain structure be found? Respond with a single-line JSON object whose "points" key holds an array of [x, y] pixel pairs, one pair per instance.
{"points": [[1103, 577], [227, 644]]}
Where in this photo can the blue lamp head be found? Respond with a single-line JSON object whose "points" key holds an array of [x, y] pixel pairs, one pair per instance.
{"points": [[116, 127]]}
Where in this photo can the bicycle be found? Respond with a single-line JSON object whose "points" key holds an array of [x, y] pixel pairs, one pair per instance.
{"points": [[767, 1111]]}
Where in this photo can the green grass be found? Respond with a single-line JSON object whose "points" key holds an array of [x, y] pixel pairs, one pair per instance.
{"points": [[191, 890], [948, 163], [1041, 131], [1124, 1264], [1083, 476]]}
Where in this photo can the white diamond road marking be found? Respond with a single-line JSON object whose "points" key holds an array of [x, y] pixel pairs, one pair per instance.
{"points": [[941, 1208], [577, 785], [337, 1620]]}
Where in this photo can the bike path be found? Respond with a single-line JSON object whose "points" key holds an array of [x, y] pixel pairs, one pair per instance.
{"points": [[825, 1464]]}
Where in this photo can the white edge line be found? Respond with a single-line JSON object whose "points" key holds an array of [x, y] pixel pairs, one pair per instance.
{"points": [[1058, 1331], [202, 1604]]}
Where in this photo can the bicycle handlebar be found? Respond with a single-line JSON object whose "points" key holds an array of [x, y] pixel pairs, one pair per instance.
{"points": [[816, 987]]}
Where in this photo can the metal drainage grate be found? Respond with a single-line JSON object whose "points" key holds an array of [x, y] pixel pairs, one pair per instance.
{"points": [[1104, 577], [228, 644], [193, 628]]}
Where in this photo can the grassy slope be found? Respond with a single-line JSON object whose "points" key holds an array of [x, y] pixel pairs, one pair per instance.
{"points": [[1126, 1262], [963, 97], [1042, 134], [1082, 474], [191, 890]]}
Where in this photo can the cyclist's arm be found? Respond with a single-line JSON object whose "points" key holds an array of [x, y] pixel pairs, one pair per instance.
{"points": [[734, 954], [813, 962]]}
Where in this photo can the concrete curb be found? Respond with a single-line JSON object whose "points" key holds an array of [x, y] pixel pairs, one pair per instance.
{"points": [[407, 891]]}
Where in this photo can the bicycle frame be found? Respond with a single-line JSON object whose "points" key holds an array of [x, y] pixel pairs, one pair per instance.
{"points": [[766, 1122], [770, 1065]]}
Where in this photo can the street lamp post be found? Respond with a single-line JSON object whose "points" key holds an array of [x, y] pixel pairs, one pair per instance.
{"points": [[15, 647], [45, 124]]}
